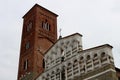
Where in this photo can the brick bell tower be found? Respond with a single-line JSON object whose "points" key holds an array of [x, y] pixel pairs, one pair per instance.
{"points": [[39, 32]]}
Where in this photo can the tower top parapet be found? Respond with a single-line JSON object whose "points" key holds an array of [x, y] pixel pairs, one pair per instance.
{"points": [[37, 5]]}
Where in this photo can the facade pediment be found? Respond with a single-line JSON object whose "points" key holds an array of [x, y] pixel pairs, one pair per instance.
{"points": [[62, 46]]}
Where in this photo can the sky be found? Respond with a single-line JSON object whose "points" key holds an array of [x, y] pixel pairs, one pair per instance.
{"points": [[97, 20]]}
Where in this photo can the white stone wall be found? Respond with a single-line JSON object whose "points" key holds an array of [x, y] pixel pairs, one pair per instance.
{"points": [[53, 56], [75, 60]]}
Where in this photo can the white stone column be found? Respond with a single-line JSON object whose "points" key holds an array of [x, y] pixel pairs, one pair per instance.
{"points": [[108, 60], [79, 68], [72, 68], [65, 53], [100, 64], [65, 73], [77, 46], [78, 64], [92, 65], [60, 75], [71, 50], [85, 66]]}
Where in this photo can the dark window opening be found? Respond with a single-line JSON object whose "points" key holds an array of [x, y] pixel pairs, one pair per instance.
{"points": [[29, 26], [75, 61], [25, 65], [43, 63], [88, 57], [103, 54], [95, 55], [62, 59], [46, 25], [27, 46], [63, 74], [81, 58]]}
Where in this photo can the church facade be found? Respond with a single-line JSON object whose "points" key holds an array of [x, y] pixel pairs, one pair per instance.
{"points": [[44, 57], [66, 60]]}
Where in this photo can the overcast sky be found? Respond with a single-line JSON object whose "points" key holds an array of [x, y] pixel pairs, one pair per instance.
{"points": [[97, 20]]}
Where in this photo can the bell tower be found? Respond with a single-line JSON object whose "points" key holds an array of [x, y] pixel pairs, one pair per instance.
{"points": [[38, 35]]}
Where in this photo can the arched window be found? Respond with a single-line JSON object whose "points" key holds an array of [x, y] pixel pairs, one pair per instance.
{"points": [[104, 59], [69, 64], [81, 58], [63, 73], [88, 61], [53, 72], [88, 57], [27, 45], [75, 67], [58, 74], [48, 76], [69, 70], [95, 55], [25, 64], [75, 63], [102, 54], [95, 60], [52, 77], [58, 70], [46, 25], [29, 26]]}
